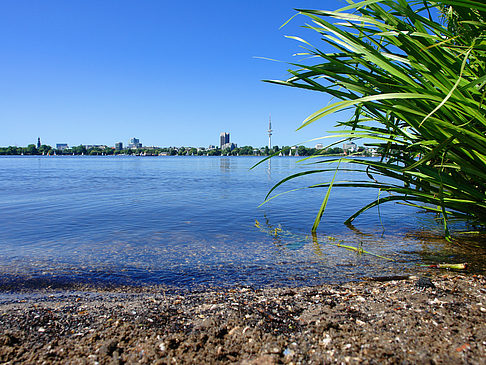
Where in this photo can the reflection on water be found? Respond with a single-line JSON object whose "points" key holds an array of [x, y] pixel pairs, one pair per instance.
{"points": [[189, 221], [225, 163]]}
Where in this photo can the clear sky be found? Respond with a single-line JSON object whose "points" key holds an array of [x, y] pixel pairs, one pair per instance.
{"points": [[171, 73]]}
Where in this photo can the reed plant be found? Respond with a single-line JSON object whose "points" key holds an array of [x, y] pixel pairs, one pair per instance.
{"points": [[414, 75]]}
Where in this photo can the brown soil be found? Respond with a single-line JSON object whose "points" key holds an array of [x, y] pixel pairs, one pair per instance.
{"points": [[364, 322]]}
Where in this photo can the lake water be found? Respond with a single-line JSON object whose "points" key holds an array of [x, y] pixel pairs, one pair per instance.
{"points": [[190, 221]]}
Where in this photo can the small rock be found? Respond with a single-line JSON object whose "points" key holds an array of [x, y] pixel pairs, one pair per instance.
{"points": [[424, 283], [108, 348]]}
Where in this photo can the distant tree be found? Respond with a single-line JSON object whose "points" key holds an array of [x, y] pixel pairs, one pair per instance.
{"points": [[79, 150], [12, 150], [226, 151], [246, 150], [302, 151], [31, 149], [216, 152], [335, 151]]}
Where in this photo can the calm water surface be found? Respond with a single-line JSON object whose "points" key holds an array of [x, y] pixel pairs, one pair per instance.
{"points": [[190, 221]]}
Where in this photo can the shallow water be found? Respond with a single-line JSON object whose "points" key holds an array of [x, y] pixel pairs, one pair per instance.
{"points": [[190, 221]]}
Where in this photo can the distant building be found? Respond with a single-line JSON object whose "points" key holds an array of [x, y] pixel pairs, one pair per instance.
{"points": [[350, 147], [38, 143], [223, 139], [229, 145], [98, 146], [60, 146], [372, 151], [119, 146], [319, 146], [211, 147], [134, 143]]}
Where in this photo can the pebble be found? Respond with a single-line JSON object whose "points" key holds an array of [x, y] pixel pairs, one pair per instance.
{"points": [[326, 340], [288, 352]]}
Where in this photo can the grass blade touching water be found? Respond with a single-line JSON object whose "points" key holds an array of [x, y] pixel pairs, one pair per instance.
{"points": [[418, 90]]}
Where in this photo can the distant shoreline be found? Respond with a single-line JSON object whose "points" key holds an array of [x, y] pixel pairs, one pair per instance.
{"points": [[285, 151], [122, 155]]}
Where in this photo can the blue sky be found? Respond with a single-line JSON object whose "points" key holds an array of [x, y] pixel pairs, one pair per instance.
{"points": [[169, 73]]}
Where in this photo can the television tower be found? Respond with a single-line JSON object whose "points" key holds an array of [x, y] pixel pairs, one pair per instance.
{"points": [[270, 132]]}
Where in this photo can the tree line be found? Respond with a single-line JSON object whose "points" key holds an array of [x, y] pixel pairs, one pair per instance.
{"points": [[173, 151]]}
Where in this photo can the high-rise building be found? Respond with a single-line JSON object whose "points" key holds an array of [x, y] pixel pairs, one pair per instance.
{"points": [[38, 143], [119, 146], [223, 139], [270, 132], [135, 143]]}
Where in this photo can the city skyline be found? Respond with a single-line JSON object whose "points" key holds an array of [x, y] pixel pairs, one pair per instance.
{"points": [[135, 143], [97, 72]]}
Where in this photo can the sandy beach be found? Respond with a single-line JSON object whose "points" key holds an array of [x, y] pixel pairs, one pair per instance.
{"points": [[437, 320]]}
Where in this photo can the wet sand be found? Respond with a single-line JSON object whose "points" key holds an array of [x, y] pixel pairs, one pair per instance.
{"points": [[441, 321]]}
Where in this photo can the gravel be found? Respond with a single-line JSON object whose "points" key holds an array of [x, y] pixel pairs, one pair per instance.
{"points": [[368, 322]]}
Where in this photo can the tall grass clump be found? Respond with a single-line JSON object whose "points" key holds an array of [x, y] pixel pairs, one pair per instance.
{"points": [[414, 73]]}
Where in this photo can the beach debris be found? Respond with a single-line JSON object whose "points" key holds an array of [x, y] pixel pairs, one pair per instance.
{"points": [[462, 266], [391, 278], [464, 347]]}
